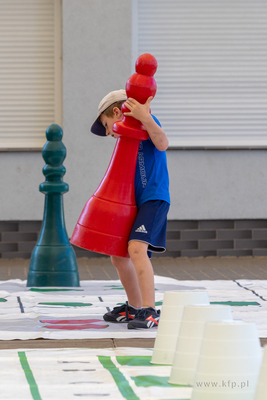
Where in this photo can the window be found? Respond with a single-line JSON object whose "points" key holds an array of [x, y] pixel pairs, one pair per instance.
{"points": [[30, 72], [212, 69]]}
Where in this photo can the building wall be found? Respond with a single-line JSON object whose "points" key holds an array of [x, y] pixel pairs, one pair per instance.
{"points": [[96, 60], [218, 184], [205, 184]]}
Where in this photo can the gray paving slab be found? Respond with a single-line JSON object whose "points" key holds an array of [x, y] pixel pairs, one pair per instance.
{"points": [[182, 268], [74, 343]]}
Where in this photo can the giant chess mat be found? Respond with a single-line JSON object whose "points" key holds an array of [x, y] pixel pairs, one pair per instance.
{"points": [[77, 313], [63, 374]]}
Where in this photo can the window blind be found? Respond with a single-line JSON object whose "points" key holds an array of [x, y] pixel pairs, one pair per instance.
{"points": [[30, 72], [212, 73]]}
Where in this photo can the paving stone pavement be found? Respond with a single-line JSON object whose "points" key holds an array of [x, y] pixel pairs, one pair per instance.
{"points": [[100, 268]]}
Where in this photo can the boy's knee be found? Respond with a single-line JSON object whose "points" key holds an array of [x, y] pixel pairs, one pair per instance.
{"points": [[120, 263], [137, 249], [116, 261]]}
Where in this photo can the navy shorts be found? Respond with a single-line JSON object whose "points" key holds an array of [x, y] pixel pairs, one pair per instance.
{"points": [[150, 225]]}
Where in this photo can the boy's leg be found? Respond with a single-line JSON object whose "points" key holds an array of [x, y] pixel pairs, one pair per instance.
{"points": [[148, 234], [148, 316], [144, 271], [128, 277]]}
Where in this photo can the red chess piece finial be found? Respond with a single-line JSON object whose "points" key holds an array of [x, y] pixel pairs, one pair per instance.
{"points": [[106, 221], [140, 86]]}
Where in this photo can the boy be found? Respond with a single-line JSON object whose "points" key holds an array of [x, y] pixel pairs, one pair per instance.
{"points": [[152, 199]]}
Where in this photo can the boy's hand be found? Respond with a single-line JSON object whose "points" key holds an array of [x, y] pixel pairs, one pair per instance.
{"points": [[138, 110], [141, 112]]}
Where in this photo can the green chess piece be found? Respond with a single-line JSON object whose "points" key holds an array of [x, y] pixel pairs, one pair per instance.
{"points": [[53, 260]]}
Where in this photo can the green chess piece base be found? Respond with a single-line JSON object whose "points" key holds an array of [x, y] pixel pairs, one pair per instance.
{"points": [[53, 266]]}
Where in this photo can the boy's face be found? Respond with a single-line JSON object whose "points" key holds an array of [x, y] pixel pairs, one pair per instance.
{"points": [[108, 122]]}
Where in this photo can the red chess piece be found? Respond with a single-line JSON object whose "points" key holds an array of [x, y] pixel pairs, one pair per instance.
{"points": [[105, 223]]}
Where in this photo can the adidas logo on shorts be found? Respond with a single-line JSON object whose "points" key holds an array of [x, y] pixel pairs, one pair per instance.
{"points": [[141, 229]]}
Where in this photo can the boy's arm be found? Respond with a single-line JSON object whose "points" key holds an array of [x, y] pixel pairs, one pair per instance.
{"points": [[141, 112]]}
